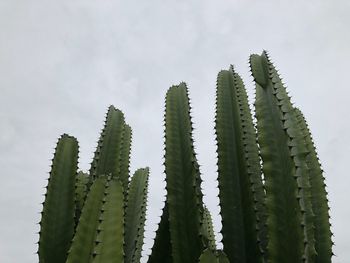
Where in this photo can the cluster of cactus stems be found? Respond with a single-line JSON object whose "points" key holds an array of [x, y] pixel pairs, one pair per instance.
{"points": [[272, 194], [97, 216]]}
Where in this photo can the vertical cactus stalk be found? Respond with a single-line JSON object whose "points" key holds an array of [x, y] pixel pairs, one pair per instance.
{"points": [[286, 173], [107, 155], [83, 244], [57, 222], [100, 231], [240, 182], [323, 234], [182, 178], [135, 215], [110, 232], [161, 250]]}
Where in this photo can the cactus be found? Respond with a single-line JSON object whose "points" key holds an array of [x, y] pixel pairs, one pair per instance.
{"points": [[84, 215], [272, 194], [182, 178], [135, 215], [239, 176], [57, 222]]}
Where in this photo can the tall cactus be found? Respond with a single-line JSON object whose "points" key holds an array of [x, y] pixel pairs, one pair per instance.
{"points": [[107, 155], [319, 201], [182, 177], [273, 201], [135, 215], [57, 222], [99, 235], [240, 182], [283, 152]]}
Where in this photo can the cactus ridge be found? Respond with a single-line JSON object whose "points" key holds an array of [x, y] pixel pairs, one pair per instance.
{"points": [[135, 215], [182, 174], [240, 182], [57, 222], [322, 231]]}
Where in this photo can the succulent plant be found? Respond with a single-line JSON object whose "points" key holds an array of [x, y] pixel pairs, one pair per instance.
{"points": [[272, 195], [100, 216]]}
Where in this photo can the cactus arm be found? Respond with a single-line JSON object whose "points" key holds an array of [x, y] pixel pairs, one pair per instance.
{"points": [[110, 238], [182, 178], [125, 156], [81, 187], [299, 152], [57, 222], [208, 230], [135, 215], [83, 243], [107, 155], [161, 250], [212, 256], [286, 173], [252, 158], [240, 183], [323, 234]]}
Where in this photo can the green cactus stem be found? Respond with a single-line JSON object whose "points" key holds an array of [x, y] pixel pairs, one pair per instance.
{"points": [[286, 173], [240, 182], [135, 215], [110, 232], [84, 241], [108, 152], [323, 234], [99, 237], [182, 174], [57, 222]]}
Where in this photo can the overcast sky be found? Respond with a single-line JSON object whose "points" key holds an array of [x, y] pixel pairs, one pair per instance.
{"points": [[62, 63]]}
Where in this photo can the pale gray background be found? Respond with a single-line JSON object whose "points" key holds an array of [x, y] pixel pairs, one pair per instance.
{"points": [[63, 62]]}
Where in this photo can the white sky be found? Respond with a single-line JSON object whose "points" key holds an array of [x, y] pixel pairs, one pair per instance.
{"points": [[62, 63]]}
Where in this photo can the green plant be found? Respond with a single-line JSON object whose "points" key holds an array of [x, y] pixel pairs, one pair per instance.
{"points": [[272, 193], [96, 217]]}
